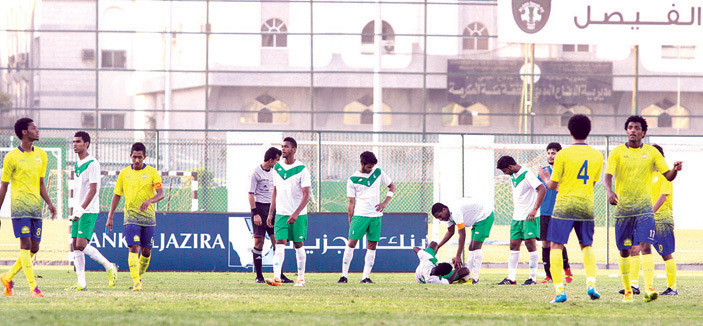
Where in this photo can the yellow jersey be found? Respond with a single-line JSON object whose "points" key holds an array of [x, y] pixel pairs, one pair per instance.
{"points": [[138, 186], [661, 186], [23, 171], [576, 169], [632, 170]]}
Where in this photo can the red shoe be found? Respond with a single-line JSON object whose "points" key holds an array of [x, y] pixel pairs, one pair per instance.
{"points": [[569, 277], [547, 280], [36, 293], [8, 285]]}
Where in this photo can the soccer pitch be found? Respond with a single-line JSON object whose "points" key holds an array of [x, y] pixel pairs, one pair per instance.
{"points": [[234, 299]]}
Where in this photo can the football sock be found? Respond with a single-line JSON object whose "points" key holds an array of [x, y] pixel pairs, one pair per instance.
{"points": [[557, 269], [300, 257], [534, 261], [133, 261], [635, 264], [278, 256], [625, 272], [143, 265], [512, 264], [545, 260], [368, 262], [565, 255], [470, 262], [26, 260], [16, 268], [257, 262], [93, 253], [478, 260], [589, 264], [648, 270], [346, 260], [671, 273], [79, 263]]}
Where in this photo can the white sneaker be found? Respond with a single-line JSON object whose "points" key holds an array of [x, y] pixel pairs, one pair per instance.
{"points": [[300, 283]]}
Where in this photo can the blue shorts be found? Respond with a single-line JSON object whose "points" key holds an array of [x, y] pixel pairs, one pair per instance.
{"points": [[559, 231], [664, 241], [631, 231], [27, 227], [139, 235]]}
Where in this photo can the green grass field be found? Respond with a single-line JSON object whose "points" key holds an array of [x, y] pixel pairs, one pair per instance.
{"points": [[234, 299]]}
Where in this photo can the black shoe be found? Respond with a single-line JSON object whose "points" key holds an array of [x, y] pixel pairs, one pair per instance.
{"points": [[474, 281], [367, 280], [669, 291], [529, 282], [635, 291], [342, 279], [284, 279], [260, 279], [506, 281]]}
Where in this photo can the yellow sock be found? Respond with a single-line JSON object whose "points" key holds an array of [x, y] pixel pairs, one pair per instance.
{"points": [[589, 264], [671, 273], [143, 265], [648, 270], [16, 268], [26, 260], [635, 266], [556, 262], [133, 261], [625, 273]]}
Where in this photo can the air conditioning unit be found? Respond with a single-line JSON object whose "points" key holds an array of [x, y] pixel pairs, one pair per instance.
{"points": [[88, 54], [388, 46], [88, 120]]}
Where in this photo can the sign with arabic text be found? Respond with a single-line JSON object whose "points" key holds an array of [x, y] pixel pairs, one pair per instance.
{"points": [[632, 22]]}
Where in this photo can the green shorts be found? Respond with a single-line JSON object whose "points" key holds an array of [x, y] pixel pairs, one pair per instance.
{"points": [[482, 229], [296, 232], [362, 225], [83, 228], [524, 230]]}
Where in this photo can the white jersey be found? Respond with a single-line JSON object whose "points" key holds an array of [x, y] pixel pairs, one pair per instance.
{"points": [[87, 171], [366, 188], [289, 181], [467, 211], [524, 183], [422, 273]]}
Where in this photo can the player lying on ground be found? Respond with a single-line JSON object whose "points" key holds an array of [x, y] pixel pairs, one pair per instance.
{"points": [[429, 272]]}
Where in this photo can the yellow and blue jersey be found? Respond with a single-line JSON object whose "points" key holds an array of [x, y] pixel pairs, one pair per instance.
{"points": [[138, 186], [576, 169], [661, 186], [24, 170], [632, 170]]}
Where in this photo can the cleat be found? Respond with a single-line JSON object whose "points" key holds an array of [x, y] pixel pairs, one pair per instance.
{"points": [[670, 291], [367, 281], [77, 288], [472, 281], [284, 279], [342, 279], [627, 298], [300, 283], [592, 293], [635, 290], [461, 281], [112, 276], [506, 281], [138, 286], [259, 280], [529, 281], [547, 280], [568, 276], [8, 285], [273, 282], [650, 295], [559, 297], [37, 293]]}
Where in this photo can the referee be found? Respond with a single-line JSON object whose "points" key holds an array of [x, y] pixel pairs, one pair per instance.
{"points": [[260, 193]]}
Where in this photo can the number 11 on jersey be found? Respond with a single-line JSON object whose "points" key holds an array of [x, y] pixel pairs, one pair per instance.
{"points": [[583, 172]]}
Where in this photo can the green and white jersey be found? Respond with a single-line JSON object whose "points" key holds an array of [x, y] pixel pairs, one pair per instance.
{"points": [[524, 184], [366, 188], [289, 181], [427, 263], [87, 171]]}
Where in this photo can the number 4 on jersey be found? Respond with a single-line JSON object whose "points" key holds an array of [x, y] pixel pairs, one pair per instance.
{"points": [[583, 172]]}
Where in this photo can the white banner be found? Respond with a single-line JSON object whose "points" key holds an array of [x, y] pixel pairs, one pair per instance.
{"points": [[631, 22]]}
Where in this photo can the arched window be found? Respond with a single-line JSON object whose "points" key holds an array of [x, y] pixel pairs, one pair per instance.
{"points": [[366, 117], [664, 120], [565, 118], [387, 39], [264, 116], [476, 115], [475, 37], [360, 112], [666, 114], [466, 118], [266, 109], [274, 34]]}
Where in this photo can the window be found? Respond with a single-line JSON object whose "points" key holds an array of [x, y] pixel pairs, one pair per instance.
{"points": [[387, 38], [264, 116], [360, 112], [664, 120], [476, 115], [366, 117], [475, 37], [465, 118], [274, 34], [678, 52], [575, 48], [112, 121], [565, 118], [114, 59]]}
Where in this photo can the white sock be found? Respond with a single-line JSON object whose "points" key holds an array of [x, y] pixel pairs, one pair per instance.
{"points": [[300, 258], [512, 264], [346, 260], [534, 262], [97, 256], [278, 257], [368, 262], [470, 262], [79, 263], [478, 260]]}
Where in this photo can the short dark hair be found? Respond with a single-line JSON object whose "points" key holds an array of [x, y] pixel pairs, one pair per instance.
{"points": [[138, 147], [291, 141], [659, 148], [368, 158], [84, 135], [555, 146], [441, 269], [21, 125], [437, 208], [579, 126], [271, 154], [637, 118], [505, 161]]}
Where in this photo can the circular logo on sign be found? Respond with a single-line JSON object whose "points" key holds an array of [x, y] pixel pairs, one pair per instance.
{"points": [[531, 15]]}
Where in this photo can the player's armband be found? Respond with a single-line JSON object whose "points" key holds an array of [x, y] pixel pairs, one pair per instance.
{"points": [[460, 226], [157, 185]]}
